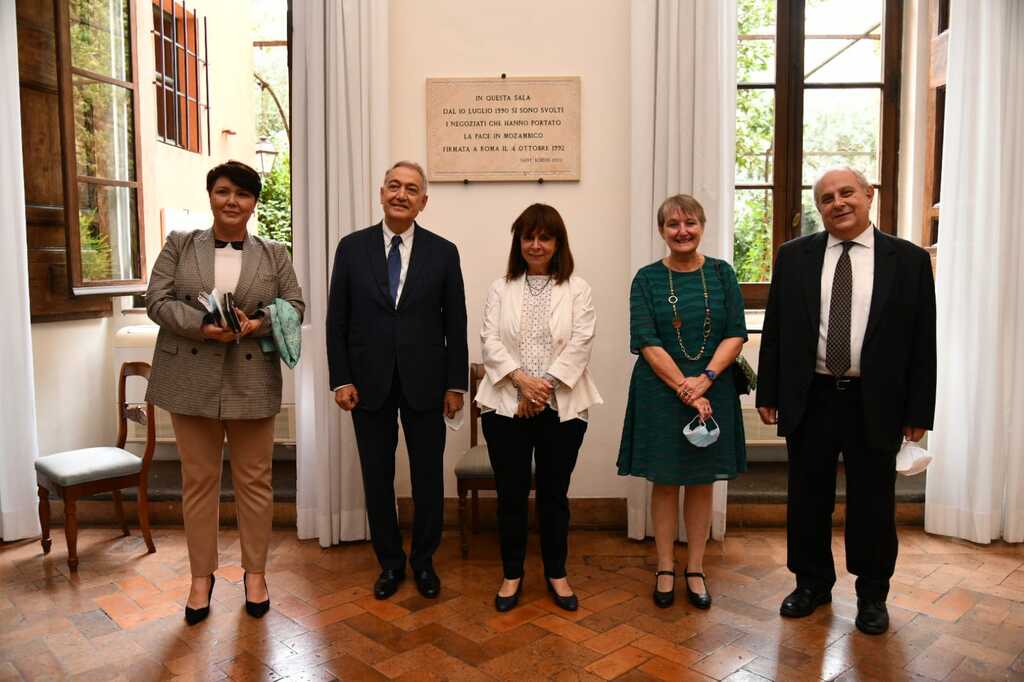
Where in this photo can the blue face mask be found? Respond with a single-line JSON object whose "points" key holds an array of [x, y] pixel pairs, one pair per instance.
{"points": [[701, 435]]}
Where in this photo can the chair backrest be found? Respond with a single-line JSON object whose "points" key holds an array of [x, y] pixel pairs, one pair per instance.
{"points": [[131, 411], [476, 373]]}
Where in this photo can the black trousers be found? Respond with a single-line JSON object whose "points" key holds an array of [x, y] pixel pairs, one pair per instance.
{"points": [[834, 423], [377, 438], [512, 444]]}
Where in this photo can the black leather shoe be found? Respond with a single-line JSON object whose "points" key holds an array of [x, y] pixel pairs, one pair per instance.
{"points": [[193, 616], [872, 617], [503, 604], [387, 583], [701, 601], [253, 608], [802, 601], [428, 583], [663, 600], [570, 603]]}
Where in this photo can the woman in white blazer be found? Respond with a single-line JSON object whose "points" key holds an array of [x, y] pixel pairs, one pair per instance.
{"points": [[537, 335]]}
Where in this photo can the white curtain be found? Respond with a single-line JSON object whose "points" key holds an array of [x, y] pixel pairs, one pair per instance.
{"points": [[976, 481], [18, 445], [683, 93], [340, 129]]}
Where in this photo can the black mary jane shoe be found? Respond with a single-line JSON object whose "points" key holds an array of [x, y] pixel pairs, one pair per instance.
{"points": [[255, 609], [570, 603], [701, 601], [663, 600], [503, 604], [194, 616]]}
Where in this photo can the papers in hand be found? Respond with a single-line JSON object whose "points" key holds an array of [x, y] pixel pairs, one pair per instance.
{"points": [[222, 308]]}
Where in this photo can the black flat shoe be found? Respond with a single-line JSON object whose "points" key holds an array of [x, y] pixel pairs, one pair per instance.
{"points": [[872, 617], [570, 603], [255, 609], [503, 604], [802, 601], [387, 583], [663, 600], [701, 601], [193, 616], [428, 583]]}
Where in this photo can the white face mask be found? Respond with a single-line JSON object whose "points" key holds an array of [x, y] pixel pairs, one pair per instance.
{"points": [[702, 436], [912, 459]]}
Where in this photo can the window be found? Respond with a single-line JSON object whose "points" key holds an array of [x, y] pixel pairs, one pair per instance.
{"points": [[99, 133], [179, 80], [818, 85]]}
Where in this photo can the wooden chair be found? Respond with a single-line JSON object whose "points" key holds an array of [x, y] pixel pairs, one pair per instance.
{"points": [[78, 473], [473, 473]]}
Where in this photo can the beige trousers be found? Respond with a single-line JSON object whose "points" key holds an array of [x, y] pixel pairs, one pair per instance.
{"points": [[200, 445]]}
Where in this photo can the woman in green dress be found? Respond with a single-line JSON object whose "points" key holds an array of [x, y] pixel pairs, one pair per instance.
{"points": [[687, 326]]}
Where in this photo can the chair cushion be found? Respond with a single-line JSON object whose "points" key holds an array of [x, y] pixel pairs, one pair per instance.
{"points": [[476, 463], [89, 464]]}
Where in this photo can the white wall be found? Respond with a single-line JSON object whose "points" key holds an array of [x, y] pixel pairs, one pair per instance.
{"points": [[532, 38]]}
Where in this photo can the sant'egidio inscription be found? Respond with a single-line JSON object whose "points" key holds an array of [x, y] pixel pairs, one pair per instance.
{"points": [[503, 129]]}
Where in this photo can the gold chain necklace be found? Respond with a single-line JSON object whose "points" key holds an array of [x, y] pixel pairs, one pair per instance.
{"points": [[537, 291], [677, 323]]}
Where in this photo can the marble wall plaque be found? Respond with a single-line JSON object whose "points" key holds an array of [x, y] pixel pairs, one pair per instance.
{"points": [[503, 129]]}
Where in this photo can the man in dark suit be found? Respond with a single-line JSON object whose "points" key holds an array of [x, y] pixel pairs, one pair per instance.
{"points": [[396, 344], [847, 365]]}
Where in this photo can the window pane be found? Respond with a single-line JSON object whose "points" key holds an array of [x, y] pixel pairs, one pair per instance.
{"points": [[100, 37], [108, 231], [752, 240], [810, 219], [841, 127], [104, 130], [755, 50], [834, 49], [755, 121]]}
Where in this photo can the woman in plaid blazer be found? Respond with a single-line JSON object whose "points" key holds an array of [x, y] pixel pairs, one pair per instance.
{"points": [[216, 382]]}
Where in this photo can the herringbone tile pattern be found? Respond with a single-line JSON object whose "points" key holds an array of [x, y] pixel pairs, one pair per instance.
{"points": [[957, 613]]}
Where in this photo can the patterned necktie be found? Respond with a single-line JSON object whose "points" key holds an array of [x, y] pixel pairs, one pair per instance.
{"points": [[837, 344], [394, 267]]}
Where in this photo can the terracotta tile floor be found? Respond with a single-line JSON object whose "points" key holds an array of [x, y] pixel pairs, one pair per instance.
{"points": [[957, 613]]}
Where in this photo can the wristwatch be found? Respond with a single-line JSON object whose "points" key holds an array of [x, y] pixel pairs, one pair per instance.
{"points": [[710, 374]]}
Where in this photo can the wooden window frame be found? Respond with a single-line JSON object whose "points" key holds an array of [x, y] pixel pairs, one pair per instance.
{"points": [[938, 51], [66, 93], [789, 86], [183, 77]]}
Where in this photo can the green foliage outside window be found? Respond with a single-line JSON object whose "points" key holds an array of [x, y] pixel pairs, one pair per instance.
{"points": [[274, 215]]}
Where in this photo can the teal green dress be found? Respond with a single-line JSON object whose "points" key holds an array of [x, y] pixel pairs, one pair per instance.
{"points": [[653, 445]]}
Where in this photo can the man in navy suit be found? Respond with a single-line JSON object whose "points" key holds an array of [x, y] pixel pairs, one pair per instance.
{"points": [[847, 365], [396, 344]]}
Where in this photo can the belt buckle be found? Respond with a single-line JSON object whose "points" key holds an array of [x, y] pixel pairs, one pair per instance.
{"points": [[843, 383]]}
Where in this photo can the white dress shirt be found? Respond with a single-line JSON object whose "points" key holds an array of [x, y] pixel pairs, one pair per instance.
{"points": [[862, 263], [405, 249]]}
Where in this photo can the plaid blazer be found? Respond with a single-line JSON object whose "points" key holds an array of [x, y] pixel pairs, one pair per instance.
{"points": [[192, 375]]}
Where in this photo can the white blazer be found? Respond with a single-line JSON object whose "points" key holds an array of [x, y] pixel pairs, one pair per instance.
{"points": [[572, 335]]}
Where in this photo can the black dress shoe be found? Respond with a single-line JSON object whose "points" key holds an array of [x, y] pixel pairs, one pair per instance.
{"points": [[503, 604], [701, 601], [428, 583], [663, 600], [802, 601], [253, 608], [872, 617], [193, 616], [387, 583], [570, 603]]}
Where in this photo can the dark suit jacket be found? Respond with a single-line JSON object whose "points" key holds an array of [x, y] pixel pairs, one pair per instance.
{"points": [[898, 354], [425, 337]]}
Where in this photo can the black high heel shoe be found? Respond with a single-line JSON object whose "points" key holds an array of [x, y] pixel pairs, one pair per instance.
{"points": [[255, 609], [701, 601], [663, 600], [503, 604], [570, 603], [193, 616]]}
